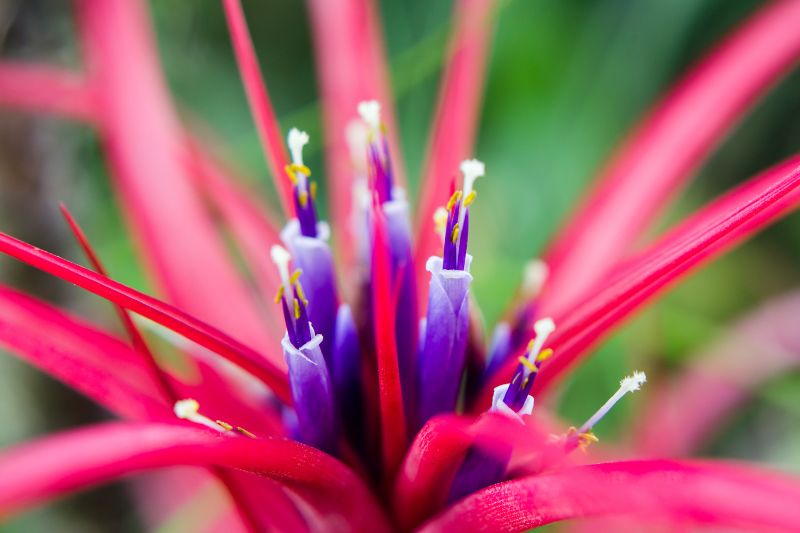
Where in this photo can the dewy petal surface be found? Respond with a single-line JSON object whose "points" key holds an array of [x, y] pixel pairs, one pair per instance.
{"points": [[661, 155], [680, 493]]}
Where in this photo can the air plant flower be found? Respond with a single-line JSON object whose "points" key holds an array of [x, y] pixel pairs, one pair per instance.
{"points": [[352, 406]]}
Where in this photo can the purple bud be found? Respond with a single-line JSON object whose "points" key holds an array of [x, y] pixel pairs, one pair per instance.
{"points": [[481, 467], [441, 362], [345, 369], [312, 393], [312, 256]]}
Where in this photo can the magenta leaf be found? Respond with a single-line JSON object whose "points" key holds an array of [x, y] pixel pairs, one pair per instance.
{"points": [[260, 103], [662, 154], [710, 232], [35, 472], [87, 359], [690, 407], [458, 109], [145, 146], [677, 493], [156, 310], [45, 89], [351, 67]]}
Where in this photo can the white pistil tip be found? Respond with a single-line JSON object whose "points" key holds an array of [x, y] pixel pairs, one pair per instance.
{"points": [[296, 140], [634, 382], [544, 327], [370, 112], [281, 257], [472, 169], [628, 384], [185, 409], [534, 277]]}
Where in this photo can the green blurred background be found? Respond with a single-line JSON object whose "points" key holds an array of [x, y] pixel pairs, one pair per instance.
{"points": [[567, 79]]}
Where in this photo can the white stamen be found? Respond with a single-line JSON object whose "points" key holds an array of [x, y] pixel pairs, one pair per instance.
{"points": [[534, 278], [370, 112], [628, 384], [543, 328], [281, 258], [296, 140], [190, 410]]}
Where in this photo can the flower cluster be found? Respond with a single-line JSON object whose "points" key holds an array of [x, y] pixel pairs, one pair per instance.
{"points": [[366, 397]]}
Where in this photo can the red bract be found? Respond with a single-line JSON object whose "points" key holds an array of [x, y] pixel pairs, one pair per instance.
{"points": [[378, 476]]}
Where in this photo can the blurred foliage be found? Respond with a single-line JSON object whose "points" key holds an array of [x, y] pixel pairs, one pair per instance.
{"points": [[567, 79]]}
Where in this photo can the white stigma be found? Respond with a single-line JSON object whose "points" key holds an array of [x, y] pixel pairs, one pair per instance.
{"points": [[543, 328], [628, 384], [370, 112], [472, 169], [534, 277], [297, 140], [281, 257], [190, 410]]}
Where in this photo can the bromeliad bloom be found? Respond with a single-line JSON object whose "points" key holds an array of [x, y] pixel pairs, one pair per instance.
{"points": [[357, 404]]}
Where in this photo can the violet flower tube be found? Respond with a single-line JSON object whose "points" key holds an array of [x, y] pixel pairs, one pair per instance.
{"points": [[441, 361], [485, 464], [398, 225], [306, 238], [345, 372], [309, 379]]}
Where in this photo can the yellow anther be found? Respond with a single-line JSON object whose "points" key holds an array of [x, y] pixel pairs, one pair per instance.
{"points": [[453, 200], [293, 168], [224, 425], [454, 235], [296, 309], [245, 432], [299, 290], [470, 198], [312, 187], [527, 364], [295, 276], [302, 196], [586, 439], [530, 345], [544, 355], [279, 295]]}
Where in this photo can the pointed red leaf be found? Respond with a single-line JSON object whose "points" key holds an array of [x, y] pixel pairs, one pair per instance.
{"points": [[710, 232], [87, 359], [47, 468], [682, 414], [458, 109], [658, 491], [45, 89], [393, 420], [156, 310], [145, 144], [260, 104], [138, 342], [351, 67], [661, 155]]}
